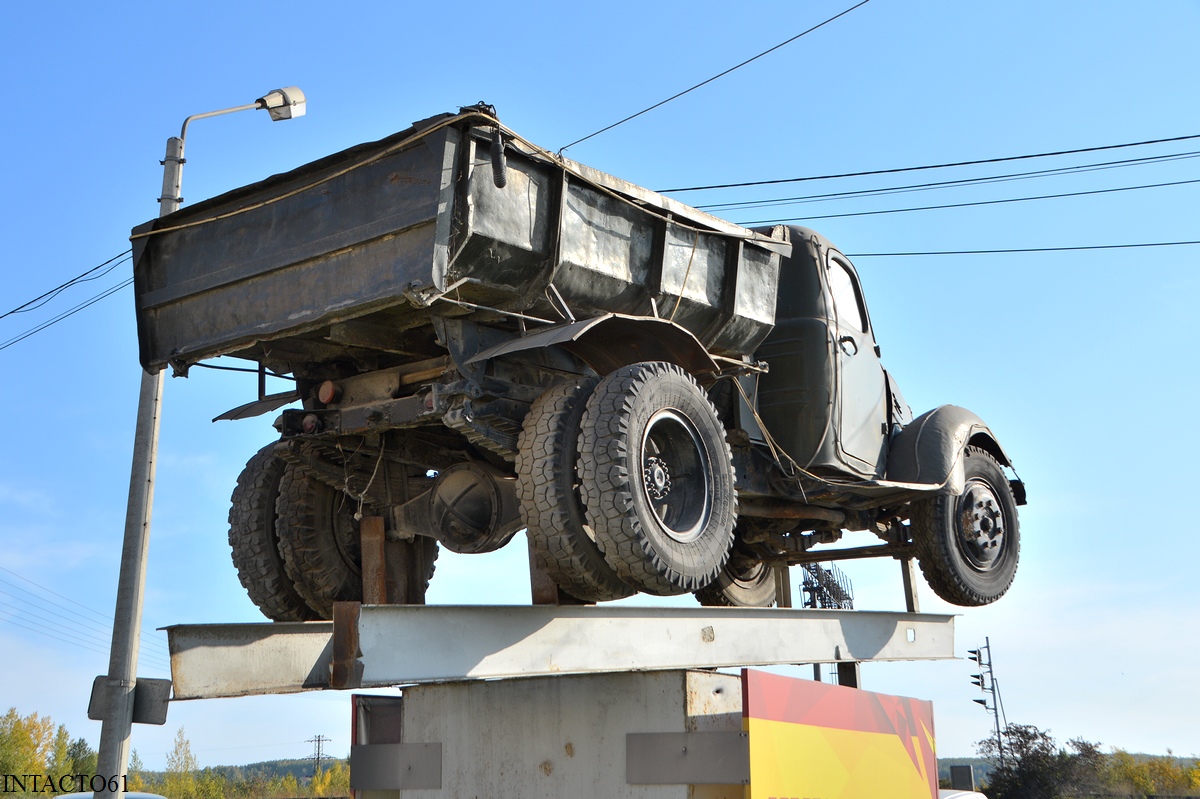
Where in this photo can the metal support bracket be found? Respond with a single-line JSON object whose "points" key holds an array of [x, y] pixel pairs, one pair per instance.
{"points": [[150, 700]]}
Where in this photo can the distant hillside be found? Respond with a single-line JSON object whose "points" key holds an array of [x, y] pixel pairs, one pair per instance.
{"points": [[301, 769]]}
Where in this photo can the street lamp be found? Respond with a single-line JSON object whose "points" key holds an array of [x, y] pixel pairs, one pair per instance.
{"points": [[280, 104], [113, 757]]}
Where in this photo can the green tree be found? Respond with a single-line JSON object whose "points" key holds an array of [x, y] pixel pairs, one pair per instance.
{"points": [[211, 784], [83, 757], [1131, 774], [1035, 767], [59, 764], [333, 781], [179, 781], [26, 743], [136, 772], [288, 786]]}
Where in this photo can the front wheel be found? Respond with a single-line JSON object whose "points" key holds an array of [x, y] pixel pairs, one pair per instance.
{"points": [[968, 545], [657, 479]]}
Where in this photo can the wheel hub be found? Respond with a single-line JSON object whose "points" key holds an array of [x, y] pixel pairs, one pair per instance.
{"points": [[675, 475], [658, 478], [981, 525]]}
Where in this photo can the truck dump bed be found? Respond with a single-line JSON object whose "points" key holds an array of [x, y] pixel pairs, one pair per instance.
{"points": [[371, 235]]}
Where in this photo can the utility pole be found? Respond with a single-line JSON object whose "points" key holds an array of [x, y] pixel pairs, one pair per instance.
{"points": [[117, 724], [317, 741], [986, 680]]}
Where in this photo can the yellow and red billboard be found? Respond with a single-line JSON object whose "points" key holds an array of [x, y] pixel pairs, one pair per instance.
{"points": [[810, 740]]}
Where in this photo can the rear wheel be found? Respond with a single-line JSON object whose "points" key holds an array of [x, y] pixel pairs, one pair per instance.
{"points": [[255, 543], [319, 541], [968, 546], [657, 479], [744, 582], [561, 540]]}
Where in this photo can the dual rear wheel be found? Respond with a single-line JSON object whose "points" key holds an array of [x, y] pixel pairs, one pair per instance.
{"points": [[626, 485], [295, 542]]}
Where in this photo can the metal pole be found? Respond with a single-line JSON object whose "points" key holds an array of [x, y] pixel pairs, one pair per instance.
{"points": [[987, 643], [113, 757]]}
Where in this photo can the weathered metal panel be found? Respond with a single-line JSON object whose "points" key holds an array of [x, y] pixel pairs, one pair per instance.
{"points": [[210, 660], [563, 736], [462, 642], [349, 235], [334, 250], [397, 645]]}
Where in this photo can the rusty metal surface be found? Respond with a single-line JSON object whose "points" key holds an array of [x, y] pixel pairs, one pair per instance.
{"points": [[374, 560], [345, 664]]}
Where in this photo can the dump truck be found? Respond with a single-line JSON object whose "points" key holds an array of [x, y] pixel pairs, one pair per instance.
{"points": [[486, 337]]}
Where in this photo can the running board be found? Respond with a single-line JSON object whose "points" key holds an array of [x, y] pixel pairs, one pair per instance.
{"points": [[370, 646]]}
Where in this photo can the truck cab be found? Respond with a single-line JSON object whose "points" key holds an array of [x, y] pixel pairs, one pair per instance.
{"points": [[827, 399]]}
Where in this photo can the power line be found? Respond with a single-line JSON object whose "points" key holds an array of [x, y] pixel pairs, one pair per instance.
{"points": [[941, 184], [39, 328], [930, 166], [81, 278], [83, 633], [1023, 249], [317, 742], [714, 77], [51, 635], [106, 620], [91, 635], [971, 204]]}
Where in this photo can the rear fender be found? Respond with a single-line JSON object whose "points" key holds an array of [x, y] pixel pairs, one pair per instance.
{"points": [[608, 342], [929, 451]]}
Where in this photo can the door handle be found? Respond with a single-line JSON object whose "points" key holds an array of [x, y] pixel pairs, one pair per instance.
{"points": [[848, 345]]}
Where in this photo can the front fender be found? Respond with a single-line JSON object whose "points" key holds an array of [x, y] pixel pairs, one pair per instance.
{"points": [[930, 450]]}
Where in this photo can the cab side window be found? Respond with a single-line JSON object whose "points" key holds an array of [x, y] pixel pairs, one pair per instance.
{"points": [[846, 297]]}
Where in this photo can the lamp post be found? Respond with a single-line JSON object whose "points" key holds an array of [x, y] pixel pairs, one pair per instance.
{"points": [[113, 757]]}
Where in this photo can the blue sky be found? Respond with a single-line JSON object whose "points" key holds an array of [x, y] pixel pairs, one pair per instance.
{"points": [[1078, 360]]}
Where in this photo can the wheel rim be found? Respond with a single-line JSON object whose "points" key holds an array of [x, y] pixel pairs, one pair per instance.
{"points": [[981, 525], [675, 475]]}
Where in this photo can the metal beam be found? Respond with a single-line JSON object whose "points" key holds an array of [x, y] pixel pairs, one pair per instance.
{"points": [[250, 659], [398, 645]]}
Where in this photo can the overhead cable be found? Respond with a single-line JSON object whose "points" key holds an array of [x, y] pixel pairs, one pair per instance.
{"points": [[944, 184], [930, 166], [714, 77], [970, 204], [65, 314], [81, 278], [101, 619], [1022, 250], [81, 634]]}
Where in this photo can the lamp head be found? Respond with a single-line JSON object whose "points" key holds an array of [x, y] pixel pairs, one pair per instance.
{"points": [[283, 103]]}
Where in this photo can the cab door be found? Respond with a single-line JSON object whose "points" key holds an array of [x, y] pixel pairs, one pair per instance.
{"points": [[861, 404]]}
